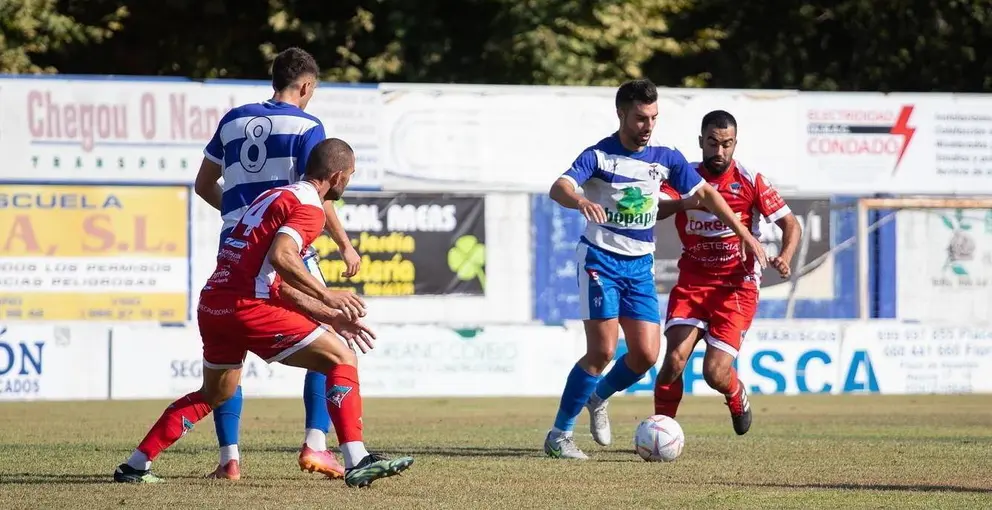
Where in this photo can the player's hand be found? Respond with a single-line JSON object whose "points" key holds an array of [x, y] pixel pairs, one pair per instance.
{"points": [[346, 301], [753, 248], [352, 260], [592, 211], [357, 334], [782, 266]]}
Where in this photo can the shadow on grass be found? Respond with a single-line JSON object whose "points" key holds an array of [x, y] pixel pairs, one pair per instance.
{"points": [[69, 479], [881, 487], [442, 451]]}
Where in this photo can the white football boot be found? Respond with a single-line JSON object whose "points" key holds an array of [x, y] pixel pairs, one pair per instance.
{"points": [[562, 447], [599, 420]]}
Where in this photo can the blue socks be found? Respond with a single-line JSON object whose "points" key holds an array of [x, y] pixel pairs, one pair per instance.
{"points": [[227, 419], [315, 402], [578, 387], [619, 378]]}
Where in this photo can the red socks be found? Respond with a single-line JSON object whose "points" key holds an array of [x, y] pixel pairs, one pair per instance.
{"points": [[735, 385], [667, 398], [175, 422], [344, 403]]}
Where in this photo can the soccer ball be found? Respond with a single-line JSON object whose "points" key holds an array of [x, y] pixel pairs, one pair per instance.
{"points": [[659, 439]]}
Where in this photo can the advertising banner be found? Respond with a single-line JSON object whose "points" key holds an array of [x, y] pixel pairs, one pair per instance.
{"points": [[45, 362], [168, 362], [153, 131], [411, 245], [73, 253], [789, 358], [523, 138], [944, 265], [921, 359], [419, 361], [864, 143], [494, 361]]}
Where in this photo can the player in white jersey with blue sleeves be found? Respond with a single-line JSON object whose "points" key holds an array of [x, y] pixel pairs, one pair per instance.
{"points": [[257, 147], [621, 178]]}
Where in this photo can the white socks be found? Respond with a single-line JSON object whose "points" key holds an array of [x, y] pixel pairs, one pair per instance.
{"points": [[229, 453], [316, 439], [139, 461], [353, 453]]}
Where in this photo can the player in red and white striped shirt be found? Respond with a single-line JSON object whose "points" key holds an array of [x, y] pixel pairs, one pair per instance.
{"points": [[263, 299], [716, 296]]}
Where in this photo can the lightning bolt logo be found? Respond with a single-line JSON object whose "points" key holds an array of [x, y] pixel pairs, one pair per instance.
{"points": [[903, 129]]}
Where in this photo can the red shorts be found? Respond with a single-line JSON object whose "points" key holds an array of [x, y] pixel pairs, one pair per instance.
{"points": [[724, 313], [232, 326]]}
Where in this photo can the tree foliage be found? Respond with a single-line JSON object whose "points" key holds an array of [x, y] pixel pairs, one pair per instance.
{"points": [[30, 29], [911, 45]]}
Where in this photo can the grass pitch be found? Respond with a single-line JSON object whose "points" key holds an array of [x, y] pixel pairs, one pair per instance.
{"points": [[802, 452]]}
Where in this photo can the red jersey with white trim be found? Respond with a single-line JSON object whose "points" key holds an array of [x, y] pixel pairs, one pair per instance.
{"points": [[243, 267], [711, 252]]}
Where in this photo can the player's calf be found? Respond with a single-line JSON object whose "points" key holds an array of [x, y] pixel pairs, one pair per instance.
{"points": [[344, 404], [719, 373], [668, 388]]}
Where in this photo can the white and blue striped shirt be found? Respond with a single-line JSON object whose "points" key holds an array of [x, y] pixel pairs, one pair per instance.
{"points": [[627, 185], [260, 146]]}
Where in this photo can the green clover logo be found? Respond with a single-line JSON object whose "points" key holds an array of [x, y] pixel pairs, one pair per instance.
{"points": [[467, 258], [634, 202]]}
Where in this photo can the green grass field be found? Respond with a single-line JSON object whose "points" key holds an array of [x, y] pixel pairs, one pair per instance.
{"points": [[802, 452]]}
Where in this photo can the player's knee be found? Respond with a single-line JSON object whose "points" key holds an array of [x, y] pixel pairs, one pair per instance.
{"points": [[215, 397], [596, 360], [345, 357], [641, 358]]}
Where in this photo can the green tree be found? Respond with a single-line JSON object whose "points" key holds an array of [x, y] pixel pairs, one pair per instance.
{"points": [[858, 45], [575, 42], [32, 28]]}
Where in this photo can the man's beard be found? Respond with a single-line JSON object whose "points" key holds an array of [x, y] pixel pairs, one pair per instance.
{"points": [[713, 168]]}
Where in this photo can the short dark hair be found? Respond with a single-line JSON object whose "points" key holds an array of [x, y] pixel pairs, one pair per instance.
{"points": [[329, 157], [641, 91], [719, 119], [290, 65]]}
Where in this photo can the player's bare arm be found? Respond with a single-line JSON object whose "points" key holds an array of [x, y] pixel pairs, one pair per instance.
{"points": [[355, 332], [206, 185], [308, 304], [667, 208], [284, 255], [791, 233], [350, 256], [711, 200], [564, 192]]}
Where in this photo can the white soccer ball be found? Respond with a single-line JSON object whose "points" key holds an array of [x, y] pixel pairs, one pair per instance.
{"points": [[659, 439]]}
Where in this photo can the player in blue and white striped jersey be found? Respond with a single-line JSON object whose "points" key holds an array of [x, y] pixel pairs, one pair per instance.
{"points": [[621, 177], [257, 147]]}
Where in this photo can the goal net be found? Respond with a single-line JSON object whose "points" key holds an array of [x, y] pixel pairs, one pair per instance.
{"points": [[937, 267]]}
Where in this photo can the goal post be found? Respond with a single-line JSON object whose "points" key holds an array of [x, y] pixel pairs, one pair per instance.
{"points": [[944, 254]]}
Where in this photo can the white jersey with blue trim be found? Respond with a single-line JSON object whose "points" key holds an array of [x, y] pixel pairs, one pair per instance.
{"points": [[260, 146], [627, 184]]}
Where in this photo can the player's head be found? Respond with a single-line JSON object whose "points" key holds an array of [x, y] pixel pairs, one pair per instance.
{"points": [[295, 73], [718, 139], [331, 162], [637, 108]]}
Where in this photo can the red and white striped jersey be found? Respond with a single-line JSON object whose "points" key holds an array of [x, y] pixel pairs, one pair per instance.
{"points": [[243, 267], [711, 252]]}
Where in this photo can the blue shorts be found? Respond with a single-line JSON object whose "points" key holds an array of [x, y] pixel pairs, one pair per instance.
{"points": [[613, 285], [310, 260]]}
